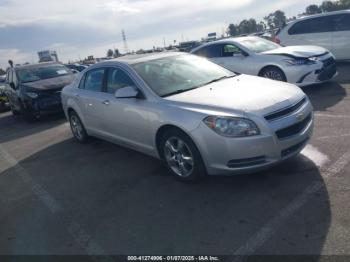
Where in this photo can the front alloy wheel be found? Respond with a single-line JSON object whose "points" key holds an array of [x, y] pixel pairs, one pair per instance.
{"points": [[181, 156], [274, 74]]}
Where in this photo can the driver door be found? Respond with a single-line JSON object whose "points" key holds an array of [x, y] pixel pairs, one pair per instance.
{"points": [[125, 120], [232, 58]]}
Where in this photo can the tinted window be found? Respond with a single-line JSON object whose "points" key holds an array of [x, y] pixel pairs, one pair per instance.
{"points": [[230, 50], [209, 51], [313, 25], [117, 79], [82, 82], [342, 22], [94, 80]]}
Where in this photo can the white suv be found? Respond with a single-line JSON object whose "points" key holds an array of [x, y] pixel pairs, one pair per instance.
{"points": [[329, 30]]}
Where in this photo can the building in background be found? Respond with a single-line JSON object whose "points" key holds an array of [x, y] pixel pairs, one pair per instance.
{"points": [[48, 56]]}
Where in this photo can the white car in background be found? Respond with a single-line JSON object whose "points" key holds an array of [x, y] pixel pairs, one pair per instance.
{"points": [[300, 65], [329, 30]]}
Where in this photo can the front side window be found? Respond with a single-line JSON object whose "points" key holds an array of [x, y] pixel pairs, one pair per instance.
{"points": [[94, 80], [312, 26], [180, 73], [117, 79], [230, 50], [342, 22]]}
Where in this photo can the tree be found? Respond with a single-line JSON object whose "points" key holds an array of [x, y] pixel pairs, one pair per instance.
{"points": [[344, 4], [2, 72], [116, 53], [329, 6], [313, 9], [109, 53], [261, 26], [276, 20], [232, 30]]}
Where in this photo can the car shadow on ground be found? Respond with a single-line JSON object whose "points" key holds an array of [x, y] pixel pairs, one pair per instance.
{"points": [[325, 95], [14, 127], [129, 204]]}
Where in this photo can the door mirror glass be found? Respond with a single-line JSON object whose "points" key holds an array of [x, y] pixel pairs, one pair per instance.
{"points": [[12, 85], [128, 92]]}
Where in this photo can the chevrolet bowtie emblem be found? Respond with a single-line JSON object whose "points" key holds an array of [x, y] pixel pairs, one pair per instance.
{"points": [[300, 117]]}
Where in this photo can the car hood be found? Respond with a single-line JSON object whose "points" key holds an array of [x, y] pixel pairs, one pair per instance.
{"points": [[51, 83], [246, 94], [298, 51]]}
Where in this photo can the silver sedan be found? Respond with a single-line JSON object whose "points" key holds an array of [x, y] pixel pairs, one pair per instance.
{"points": [[300, 65], [196, 116]]}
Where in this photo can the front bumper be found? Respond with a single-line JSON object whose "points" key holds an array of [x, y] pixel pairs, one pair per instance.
{"points": [[44, 105], [323, 71], [229, 156]]}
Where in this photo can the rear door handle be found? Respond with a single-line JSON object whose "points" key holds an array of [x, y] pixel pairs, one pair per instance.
{"points": [[106, 103]]}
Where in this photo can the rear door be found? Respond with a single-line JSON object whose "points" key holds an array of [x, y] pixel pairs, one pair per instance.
{"points": [[341, 36], [89, 98], [312, 31]]}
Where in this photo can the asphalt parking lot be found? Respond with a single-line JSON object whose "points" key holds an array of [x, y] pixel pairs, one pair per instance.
{"points": [[60, 197]]}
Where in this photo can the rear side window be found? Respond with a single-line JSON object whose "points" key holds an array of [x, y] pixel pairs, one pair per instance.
{"points": [[94, 80], [342, 22], [312, 26], [209, 51]]}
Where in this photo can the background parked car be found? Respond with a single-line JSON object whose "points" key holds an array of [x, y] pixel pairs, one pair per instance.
{"points": [[76, 67], [329, 30], [300, 65], [3, 97], [34, 90]]}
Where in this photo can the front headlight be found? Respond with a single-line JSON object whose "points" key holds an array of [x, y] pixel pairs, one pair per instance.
{"points": [[232, 126], [301, 61], [32, 95]]}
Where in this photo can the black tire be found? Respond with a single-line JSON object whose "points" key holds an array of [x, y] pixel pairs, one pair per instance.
{"points": [[273, 73], [77, 127], [14, 111], [188, 172]]}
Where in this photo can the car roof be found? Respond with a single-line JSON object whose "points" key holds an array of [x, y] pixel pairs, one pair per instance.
{"points": [[135, 59], [226, 41], [319, 15], [31, 66]]}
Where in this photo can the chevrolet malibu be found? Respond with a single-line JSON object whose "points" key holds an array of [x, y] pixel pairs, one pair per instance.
{"points": [[300, 65], [198, 117]]}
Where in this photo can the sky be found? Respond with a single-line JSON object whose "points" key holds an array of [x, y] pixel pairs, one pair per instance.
{"points": [[78, 28]]}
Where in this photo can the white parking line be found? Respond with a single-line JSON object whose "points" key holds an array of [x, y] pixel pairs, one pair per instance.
{"points": [[83, 239], [331, 116], [329, 137], [267, 231], [315, 155]]}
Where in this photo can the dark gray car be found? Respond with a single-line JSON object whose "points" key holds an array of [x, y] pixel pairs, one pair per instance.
{"points": [[34, 90]]}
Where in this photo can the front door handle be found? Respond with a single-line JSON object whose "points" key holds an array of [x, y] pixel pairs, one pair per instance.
{"points": [[106, 103]]}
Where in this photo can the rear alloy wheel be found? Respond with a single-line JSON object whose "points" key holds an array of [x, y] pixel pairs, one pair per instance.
{"points": [[78, 128], [181, 156], [274, 73]]}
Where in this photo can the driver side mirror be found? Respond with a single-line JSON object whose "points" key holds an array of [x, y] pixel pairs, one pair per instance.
{"points": [[12, 85], [128, 92]]}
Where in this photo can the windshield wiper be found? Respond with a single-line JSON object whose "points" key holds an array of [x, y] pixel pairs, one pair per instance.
{"points": [[179, 91], [218, 79]]}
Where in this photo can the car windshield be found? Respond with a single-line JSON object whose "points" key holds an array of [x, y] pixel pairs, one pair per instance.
{"points": [[176, 74], [258, 45], [41, 72]]}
